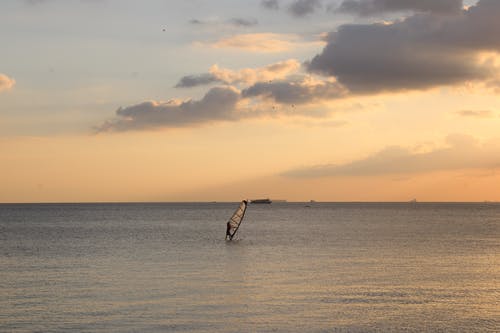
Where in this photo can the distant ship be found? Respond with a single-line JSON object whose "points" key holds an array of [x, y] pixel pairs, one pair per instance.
{"points": [[413, 201], [261, 201]]}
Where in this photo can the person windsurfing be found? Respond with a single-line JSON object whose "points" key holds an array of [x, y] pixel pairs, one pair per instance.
{"points": [[234, 222], [228, 231]]}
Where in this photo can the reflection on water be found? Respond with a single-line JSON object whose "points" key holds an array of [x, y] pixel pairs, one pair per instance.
{"points": [[324, 268]]}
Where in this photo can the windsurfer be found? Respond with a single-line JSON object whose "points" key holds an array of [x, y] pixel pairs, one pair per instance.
{"points": [[234, 222], [228, 231]]}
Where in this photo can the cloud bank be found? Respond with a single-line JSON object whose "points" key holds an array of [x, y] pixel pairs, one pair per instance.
{"points": [[261, 89], [6, 82], [224, 103], [374, 7], [419, 52], [463, 152], [219, 104]]}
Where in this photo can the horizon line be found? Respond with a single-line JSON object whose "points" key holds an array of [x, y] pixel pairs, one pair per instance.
{"points": [[223, 201]]}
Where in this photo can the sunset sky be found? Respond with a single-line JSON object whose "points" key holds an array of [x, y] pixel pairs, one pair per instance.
{"points": [[221, 100]]}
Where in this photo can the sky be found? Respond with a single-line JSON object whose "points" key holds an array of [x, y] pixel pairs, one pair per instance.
{"points": [[223, 100]]}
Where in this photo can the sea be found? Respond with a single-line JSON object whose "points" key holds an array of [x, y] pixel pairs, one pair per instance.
{"points": [[293, 267]]}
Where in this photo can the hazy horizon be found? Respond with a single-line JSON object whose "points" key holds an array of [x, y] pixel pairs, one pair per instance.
{"points": [[278, 201]]}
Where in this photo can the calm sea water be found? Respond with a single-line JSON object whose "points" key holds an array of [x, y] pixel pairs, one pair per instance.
{"points": [[329, 267]]}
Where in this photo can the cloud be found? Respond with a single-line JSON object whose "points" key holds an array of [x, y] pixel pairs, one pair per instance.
{"points": [[462, 152], [270, 4], [241, 22], [259, 42], [301, 91], [374, 7], [235, 21], [300, 8], [6, 82], [190, 81], [419, 52], [219, 104], [278, 82], [476, 113], [247, 76], [227, 103]]}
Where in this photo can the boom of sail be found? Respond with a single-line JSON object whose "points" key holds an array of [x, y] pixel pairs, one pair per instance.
{"points": [[235, 221]]}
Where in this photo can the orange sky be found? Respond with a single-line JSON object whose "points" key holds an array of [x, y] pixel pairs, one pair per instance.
{"points": [[229, 102]]}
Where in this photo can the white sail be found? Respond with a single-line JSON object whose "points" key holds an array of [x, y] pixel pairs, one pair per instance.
{"points": [[235, 221]]}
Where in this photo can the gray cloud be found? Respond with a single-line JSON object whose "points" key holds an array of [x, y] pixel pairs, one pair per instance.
{"points": [[463, 152], [300, 8], [235, 21], [219, 104], [373, 7], [190, 81], [419, 52], [270, 4], [241, 22], [226, 104], [298, 92]]}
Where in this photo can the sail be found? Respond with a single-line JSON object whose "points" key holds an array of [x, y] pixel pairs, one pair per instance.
{"points": [[235, 221]]}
